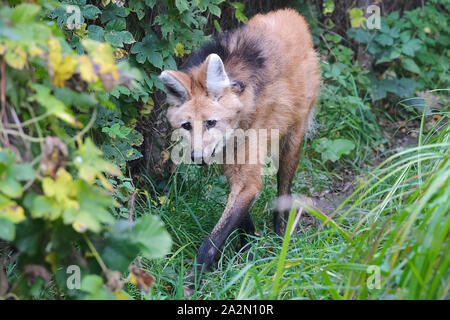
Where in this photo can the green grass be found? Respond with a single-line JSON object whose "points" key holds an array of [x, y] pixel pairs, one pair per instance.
{"points": [[397, 220]]}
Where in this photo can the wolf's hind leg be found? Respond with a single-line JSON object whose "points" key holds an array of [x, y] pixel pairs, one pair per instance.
{"points": [[288, 164]]}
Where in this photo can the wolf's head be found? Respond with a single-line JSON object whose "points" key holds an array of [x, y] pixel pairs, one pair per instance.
{"points": [[205, 105]]}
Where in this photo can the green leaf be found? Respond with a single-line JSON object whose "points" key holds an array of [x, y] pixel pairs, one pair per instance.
{"points": [[215, 10], [91, 283], [117, 39], [182, 5], [359, 34], [116, 25], [96, 33], [333, 149], [25, 13], [54, 106], [384, 40], [116, 130], [119, 253], [410, 47], [147, 49], [28, 235], [10, 172], [90, 11], [154, 241], [410, 65], [7, 229]]}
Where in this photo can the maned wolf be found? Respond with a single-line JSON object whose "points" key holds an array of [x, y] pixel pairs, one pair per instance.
{"points": [[264, 75]]}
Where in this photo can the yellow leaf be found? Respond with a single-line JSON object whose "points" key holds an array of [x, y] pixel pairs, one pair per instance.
{"points": [[148, 107], [86, 71], [79, 227], [357, 18], [64, 70], [13, 212], [120, 53], [120, 295], [103, 55], [61, 189], [54, 52], [52, 259], [16, 57], [34, 50], [133, 279], [179, 50]]}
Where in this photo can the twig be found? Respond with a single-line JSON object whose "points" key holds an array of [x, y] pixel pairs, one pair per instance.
{"points": [[85, 129], [96, 254], [22, 135], [28, 122], [131, 207]]}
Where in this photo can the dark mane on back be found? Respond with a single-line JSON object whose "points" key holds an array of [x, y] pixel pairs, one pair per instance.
{"points": [[248, 50]]}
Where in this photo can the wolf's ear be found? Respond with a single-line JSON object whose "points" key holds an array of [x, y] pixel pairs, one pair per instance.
{"points": [[216, 77], [175, 83]]}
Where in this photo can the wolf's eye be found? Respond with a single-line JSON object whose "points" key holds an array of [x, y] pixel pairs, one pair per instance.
{"points": [[210, 124], [187, 126]]}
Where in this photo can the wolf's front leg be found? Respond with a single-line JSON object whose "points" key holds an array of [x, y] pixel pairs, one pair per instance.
{"points": [[245, 184]]}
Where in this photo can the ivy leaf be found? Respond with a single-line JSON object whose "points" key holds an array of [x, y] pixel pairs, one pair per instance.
{"points": [[118, 90], [116, 25], [90, 11], [333, 149], [147, 49], [117, 39], [112, 12], [116, 130], [96, 33]]}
